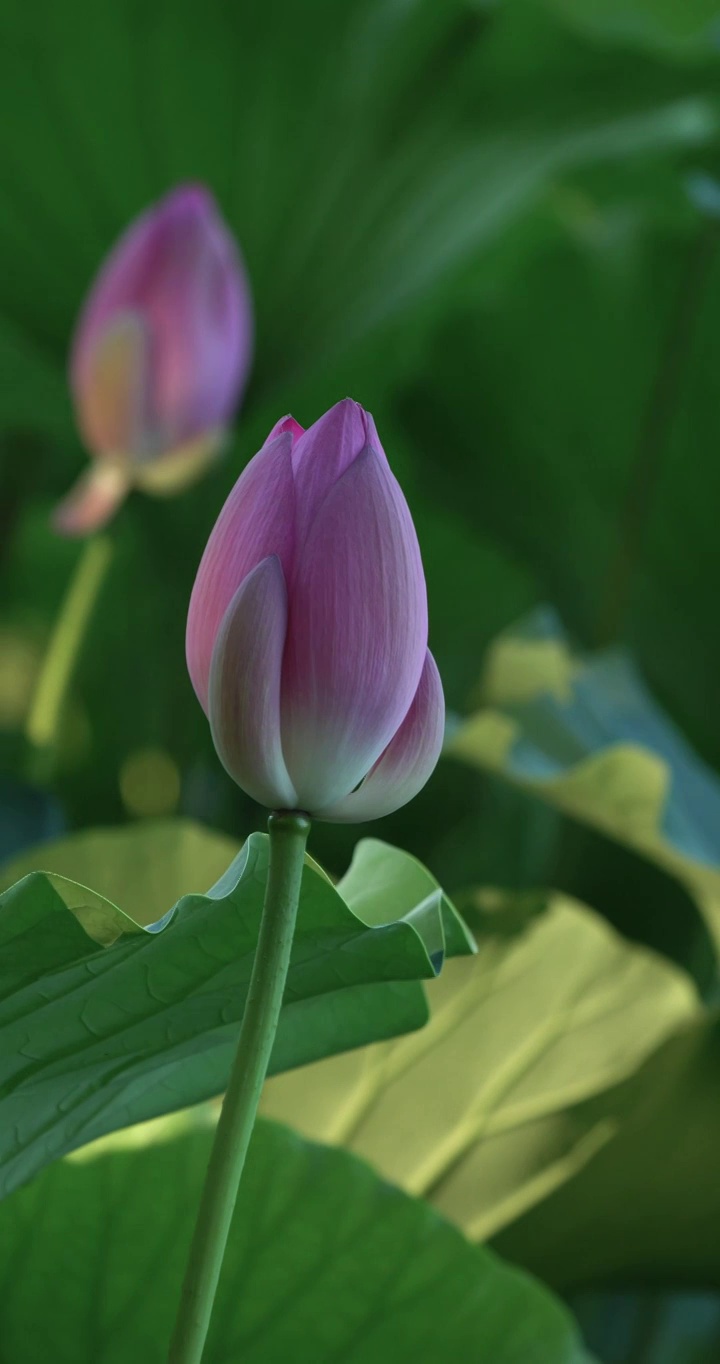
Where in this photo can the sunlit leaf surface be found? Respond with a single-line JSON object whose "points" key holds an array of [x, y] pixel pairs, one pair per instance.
{"points": [[587, 736], [476, 1111]]}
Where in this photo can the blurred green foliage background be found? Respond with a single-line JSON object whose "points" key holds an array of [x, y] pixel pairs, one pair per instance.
{"points": [[494, 225]]}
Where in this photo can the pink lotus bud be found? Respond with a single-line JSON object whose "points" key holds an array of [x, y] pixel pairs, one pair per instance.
{"points": [[160, 356], [307, 628]]}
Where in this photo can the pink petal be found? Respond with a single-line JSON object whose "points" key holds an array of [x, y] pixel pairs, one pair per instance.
{"points": [[257, 520], [244, 691], [324, 452], [93, 500], [119, 287], [111, 394], [357, 635], [408, 760], [286, 425], [197, 303]]}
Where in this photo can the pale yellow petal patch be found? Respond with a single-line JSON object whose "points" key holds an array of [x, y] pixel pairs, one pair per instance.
{"points": [[112, 394], [179, 468]]}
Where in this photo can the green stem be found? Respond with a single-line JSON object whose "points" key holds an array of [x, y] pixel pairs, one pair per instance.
{"points": [[288, 835], [46, 707]]}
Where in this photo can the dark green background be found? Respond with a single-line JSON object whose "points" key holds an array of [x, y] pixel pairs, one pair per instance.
{"points": [[482, 222]]}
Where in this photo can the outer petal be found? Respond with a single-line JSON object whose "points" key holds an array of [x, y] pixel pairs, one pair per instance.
{"points": [[257, 520], [119, 286], [357, 635], [244, 692], [199, 313], [324, 452], [93, 500], [408, 760]]}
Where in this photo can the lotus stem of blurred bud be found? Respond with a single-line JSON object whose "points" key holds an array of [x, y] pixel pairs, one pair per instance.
{"points": [[42, 727]]}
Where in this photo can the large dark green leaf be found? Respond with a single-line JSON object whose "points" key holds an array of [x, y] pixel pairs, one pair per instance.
{"points": [[104, 1022], [325, 1263]]}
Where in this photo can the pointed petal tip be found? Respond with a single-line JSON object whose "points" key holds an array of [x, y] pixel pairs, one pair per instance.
{"points": [[184, 205], [355, 412], [346, 421], [325, 452], [351, 414], [193, 193], [286, 426]]}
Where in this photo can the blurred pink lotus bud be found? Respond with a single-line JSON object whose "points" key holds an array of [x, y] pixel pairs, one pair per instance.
{"points": [[307, 628], [160, 356]]}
